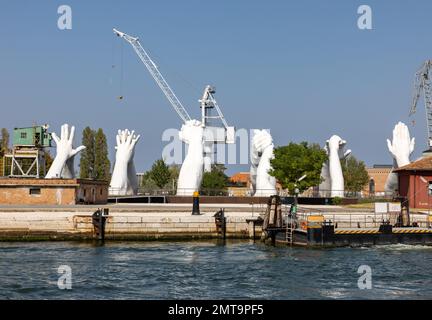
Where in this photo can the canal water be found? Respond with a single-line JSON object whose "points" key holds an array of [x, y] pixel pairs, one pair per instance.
{"points": [[211, 270]]}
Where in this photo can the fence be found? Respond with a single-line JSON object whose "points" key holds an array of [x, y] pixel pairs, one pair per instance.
{"points": [[230, 191]]}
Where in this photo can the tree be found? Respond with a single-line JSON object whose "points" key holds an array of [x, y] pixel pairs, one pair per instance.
{"points": [[215, 180], [4, 141], [48, 160], [146, 182], [88, 154], [355, 174], [160, 173], [101, 161], [295, 160], [175, 172]]}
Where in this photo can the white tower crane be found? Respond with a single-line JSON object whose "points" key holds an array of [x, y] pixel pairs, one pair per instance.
{"points": [[422, 84], [212, 134]]}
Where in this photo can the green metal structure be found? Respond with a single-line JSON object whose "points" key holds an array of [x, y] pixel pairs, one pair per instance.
{"points": [[27, 159], [36, 137]]}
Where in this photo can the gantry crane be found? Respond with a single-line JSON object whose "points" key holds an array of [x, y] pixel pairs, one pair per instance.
{"points": [[422, 84], [212, 134]]}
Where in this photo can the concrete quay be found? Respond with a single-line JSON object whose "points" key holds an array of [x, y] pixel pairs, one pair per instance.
{"points": [[158, 221]]}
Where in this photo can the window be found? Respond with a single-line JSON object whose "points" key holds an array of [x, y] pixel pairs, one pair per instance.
{"points": [[35, 191], [23, 135], [430, 188], [371, 186]]}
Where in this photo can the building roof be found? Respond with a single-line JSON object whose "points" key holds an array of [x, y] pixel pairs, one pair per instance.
{"points": [[382, 166], [423, 164], [242, 177]]}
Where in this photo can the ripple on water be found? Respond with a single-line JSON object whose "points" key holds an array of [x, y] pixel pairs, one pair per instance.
{"points": [[209, 270]]}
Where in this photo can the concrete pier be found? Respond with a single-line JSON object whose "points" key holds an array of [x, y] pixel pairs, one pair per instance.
{"points": [[158, 221], [125, 222]]}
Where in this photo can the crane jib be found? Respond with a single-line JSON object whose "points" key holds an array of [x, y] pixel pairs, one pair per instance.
{"points": [[157, 76]]}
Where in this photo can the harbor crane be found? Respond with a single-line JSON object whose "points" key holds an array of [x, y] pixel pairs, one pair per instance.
{"points": [[212, 134], [422, 85]]}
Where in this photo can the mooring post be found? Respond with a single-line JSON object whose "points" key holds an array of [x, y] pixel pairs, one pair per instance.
{"points": [[99, 219], [195, 204]]}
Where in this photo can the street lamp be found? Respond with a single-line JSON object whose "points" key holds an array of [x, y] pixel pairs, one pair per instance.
{"points": [[296, 192]]}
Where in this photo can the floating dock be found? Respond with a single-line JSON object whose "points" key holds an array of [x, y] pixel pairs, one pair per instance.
{"points": [[328, 236]]}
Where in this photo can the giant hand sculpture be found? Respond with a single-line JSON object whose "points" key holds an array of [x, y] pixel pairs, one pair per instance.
{"points": [[124, 180], [191, 172], [263, 184], [400, 148], [325, 186], [63, 164], [335, 149]]}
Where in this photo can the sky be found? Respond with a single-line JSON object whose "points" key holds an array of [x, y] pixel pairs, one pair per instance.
{"points": [[302, 69]]}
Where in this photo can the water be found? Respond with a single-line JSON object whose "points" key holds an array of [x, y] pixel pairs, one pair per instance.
{"points": [[211, 270]]}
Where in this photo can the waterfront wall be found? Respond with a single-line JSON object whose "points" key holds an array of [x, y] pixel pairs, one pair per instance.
{"points": [[121, 225], [157, 222]]}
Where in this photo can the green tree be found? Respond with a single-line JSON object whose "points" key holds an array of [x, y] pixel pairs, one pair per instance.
{"points": [[147, 183], [101, 161], [295, 160], [4, 141], [88, 154], [215, 180], [355, 174], [48, 160], [175, 172], [160, 173]]}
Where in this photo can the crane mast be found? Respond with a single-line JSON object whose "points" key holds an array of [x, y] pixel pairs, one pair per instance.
{"points": [[422, 84], [157, 76]]}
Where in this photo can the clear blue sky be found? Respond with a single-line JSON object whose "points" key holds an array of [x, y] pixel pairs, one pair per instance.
{"points": [[301, 68]]}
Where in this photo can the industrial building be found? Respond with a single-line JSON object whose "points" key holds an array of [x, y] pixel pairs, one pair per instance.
{"points": [[415, 183], [33, 191]]}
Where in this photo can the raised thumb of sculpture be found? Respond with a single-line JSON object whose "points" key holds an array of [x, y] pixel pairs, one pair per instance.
{"points": [[62, 166]]}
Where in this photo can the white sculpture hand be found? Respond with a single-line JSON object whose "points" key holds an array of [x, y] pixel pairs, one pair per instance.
{"points": [[335, 143], [335, 146], [261, 153], [123, 180], [402, 146], [191, 172], [192, 130], [65, 152], [125, 147]]}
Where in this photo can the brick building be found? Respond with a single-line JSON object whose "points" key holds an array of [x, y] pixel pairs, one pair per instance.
{"points": [[17, 191], [377, 178], [415, 183]]}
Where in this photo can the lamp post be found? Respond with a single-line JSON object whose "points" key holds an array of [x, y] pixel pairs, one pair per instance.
{"points": [[296, 193]]}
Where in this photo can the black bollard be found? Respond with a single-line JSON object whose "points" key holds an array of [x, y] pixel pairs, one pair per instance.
{"points": [[195, 205], [99, 220]]}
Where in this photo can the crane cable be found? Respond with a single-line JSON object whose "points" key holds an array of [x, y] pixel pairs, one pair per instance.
{"points": [[120, 97]]}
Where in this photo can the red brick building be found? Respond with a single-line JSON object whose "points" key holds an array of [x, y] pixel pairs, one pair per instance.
{"points": [[32, 191], [415, 183]]}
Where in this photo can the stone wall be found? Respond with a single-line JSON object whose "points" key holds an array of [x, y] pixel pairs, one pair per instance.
{"points": [[121, 225]]}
